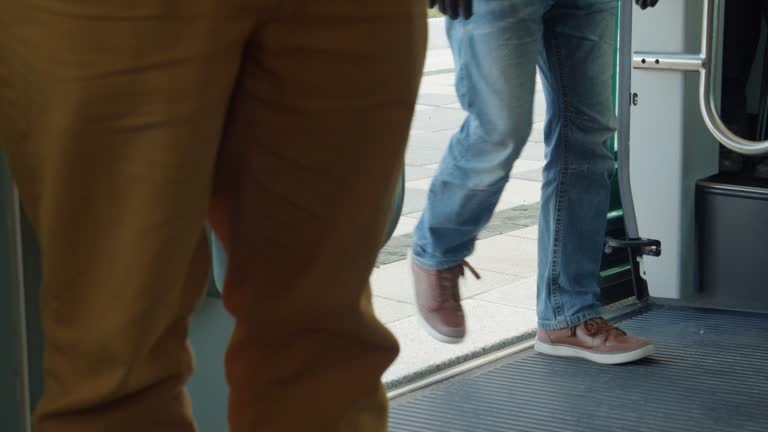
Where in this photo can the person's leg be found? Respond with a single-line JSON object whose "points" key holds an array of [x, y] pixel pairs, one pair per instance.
{"points": [[495, 55], [110, 114], [326, 96], [576, 66]]}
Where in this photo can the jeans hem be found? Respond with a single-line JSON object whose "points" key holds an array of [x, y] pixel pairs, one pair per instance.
{"points": [[568, 322], [436, 265]]}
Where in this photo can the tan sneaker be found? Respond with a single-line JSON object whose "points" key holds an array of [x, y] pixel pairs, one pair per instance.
{"points": [[595, 339], [439, 302]]}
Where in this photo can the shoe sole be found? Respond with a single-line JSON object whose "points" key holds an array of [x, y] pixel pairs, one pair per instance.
{"points": [[437, 335], [609, 359]]}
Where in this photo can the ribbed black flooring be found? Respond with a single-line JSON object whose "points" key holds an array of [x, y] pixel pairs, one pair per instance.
{"points": [[710, 373]]}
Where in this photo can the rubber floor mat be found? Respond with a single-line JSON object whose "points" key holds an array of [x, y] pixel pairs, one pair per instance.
{"points": [[710, 373]]}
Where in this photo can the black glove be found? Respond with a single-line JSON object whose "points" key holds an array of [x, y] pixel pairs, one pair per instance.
{"points": [[645, 4], [454, 9]]}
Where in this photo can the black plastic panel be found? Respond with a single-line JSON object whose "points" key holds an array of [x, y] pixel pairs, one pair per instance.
{"points": [[732, 228]]}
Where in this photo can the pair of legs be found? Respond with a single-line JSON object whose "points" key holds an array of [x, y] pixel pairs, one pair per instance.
{"points": [[496, 54], [128, 124]]}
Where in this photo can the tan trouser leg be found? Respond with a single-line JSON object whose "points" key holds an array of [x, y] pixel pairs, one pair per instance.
{"points": [[111, 116], [327, 96]]}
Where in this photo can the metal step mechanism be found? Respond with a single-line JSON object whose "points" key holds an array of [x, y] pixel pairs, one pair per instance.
{"points": [[710, 373]]}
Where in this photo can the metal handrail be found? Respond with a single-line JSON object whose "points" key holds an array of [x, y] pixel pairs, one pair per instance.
{"points": [[704, 64]]}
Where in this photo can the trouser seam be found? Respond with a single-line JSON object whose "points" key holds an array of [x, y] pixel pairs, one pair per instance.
{"points": [[562, 187]]}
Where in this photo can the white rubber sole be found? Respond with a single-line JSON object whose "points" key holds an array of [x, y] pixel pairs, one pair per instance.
{"points": [[438, 336], [609, 359]]}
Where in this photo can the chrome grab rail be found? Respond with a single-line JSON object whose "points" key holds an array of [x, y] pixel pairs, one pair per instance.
{"points": [[703, 63]]}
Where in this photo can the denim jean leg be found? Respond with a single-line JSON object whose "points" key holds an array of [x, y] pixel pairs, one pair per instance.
{"points": [[576, 63], [495, 55]]}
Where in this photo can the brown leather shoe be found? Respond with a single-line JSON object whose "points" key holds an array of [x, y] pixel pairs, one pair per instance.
{"points": [[595, 339], [439, 302]]}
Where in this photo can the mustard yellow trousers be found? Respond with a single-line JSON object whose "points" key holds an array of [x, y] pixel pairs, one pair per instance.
{"points": [[128, 124]]}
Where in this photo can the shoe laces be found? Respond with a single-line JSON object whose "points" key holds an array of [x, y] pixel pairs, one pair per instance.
{"points": [[599, 326], [447, 281]]}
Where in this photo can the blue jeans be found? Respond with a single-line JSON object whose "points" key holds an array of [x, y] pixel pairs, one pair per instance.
{"points": [[496, 54]]}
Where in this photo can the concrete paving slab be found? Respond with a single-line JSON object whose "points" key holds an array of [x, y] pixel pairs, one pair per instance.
{"points": [[437, 119], [439, 61], [518, 192], [505, 254], [521, 294], [416, 172], [533, 151], [531, 232], [422, 184], [405, 225], [513, 219], [522, 165], [415, 199], [389, 311], [539, 107], [537, 132], [490, 327], [436, 99], [395, 250], [533, 175], [438, 140], [421, 156]]}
